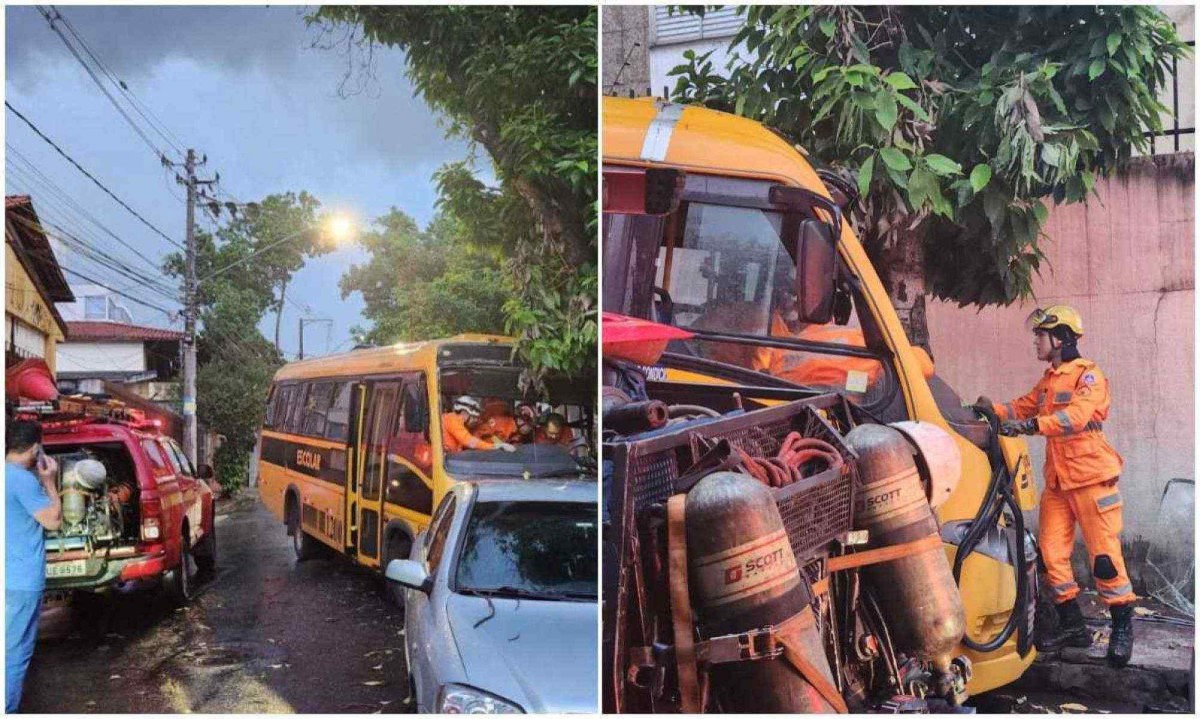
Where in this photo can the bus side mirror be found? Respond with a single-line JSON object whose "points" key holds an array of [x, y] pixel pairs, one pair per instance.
{"points": [[816, 271]]}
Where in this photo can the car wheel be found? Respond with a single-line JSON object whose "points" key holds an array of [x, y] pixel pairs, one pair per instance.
{"points": [[305, 546], [181, 579], [206, 551], [398, 547]]}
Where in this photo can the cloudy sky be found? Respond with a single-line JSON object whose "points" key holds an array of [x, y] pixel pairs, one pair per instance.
{"points": [[243, 85]]}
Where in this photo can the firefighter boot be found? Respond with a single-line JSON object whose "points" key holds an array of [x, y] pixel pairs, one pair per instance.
{"points": [[1120, 641], [1072, 630]]}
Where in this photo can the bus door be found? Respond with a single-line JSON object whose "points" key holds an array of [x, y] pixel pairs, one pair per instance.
{"points": [[381, 403]]}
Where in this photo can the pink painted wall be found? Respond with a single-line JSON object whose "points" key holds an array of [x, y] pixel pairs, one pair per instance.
{"points": [[1126, 261]]}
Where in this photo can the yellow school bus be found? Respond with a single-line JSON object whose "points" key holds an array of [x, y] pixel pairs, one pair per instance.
{"points": [[704, 221], [351, 452]]}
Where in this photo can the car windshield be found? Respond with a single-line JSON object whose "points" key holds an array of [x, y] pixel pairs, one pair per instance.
{"points": [[486, 413], [537, 550]]}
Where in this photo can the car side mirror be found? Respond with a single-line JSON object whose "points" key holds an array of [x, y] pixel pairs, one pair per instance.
{"points": [[204, 471], [409, 573], [816, 271]]}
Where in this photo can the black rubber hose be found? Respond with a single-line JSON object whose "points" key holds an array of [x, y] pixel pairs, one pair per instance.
{"points": [[1016, 615], [998, 495]]}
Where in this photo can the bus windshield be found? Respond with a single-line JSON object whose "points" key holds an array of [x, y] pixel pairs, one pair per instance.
{"points": [[725, 270], [548, 435]]}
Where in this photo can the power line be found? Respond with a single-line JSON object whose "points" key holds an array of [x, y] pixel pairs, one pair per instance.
{"points": [[69, 203], [98, 283], [148, 115], [92, 253], [100, 83], [89, 175], [45, 215]]}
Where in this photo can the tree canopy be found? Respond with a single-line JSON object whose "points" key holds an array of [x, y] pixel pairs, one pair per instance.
{"points": [[520, 83], [957, 124], [235, 362], [420, 284]]}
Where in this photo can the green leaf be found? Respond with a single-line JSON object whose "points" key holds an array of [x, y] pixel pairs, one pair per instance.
{"points": [[1113, 42], [913, 107], [980, 176], [864, 176], [895, 159], [1096, 69], [886, 110], [900, 81], [1051, 154], [943, 165], [1041, 213], [827, 26]]}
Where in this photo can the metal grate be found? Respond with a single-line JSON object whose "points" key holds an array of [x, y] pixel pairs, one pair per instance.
{"points": [[653, 477], [815, 511]]}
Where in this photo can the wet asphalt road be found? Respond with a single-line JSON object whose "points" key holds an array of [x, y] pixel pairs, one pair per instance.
{"points": [[265, 634]]}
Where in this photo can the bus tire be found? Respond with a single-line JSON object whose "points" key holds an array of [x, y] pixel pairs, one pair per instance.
{"points": [[399, 545], [303, 544]]}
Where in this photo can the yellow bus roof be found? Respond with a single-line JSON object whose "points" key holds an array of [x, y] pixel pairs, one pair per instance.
{"points": [[377, 360], [651, 132]]}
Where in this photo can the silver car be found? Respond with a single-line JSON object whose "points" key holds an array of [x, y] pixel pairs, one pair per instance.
{"points": [[501, 600]]}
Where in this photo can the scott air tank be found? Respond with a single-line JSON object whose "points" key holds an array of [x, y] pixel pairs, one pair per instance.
{"points": [[917, 593], [743, 577]]}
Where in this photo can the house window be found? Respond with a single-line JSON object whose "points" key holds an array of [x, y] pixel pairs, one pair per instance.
{"points": [[95, 308]]}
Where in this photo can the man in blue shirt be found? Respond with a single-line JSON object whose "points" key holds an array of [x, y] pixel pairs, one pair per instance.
{"points": [[31, 505]]}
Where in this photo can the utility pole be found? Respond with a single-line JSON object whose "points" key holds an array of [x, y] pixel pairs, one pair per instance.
{"points": [[189, 310], [302, 323]]}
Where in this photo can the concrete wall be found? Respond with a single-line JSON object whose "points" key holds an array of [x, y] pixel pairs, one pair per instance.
{"points": [[1125, 260], [101, 357], [625, 39]]}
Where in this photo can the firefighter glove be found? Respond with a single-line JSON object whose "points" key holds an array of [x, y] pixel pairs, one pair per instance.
{"points": [[505, 446], [1013, 429]]}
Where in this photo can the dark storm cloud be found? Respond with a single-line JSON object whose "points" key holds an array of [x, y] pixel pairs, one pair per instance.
{"points": [[132, 40], [382, 120]]}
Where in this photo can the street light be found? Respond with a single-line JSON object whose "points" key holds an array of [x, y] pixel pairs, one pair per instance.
{"points": [[339, 228]]}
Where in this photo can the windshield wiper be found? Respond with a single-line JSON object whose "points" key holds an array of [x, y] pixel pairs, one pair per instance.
{"points": [[525, 593]]}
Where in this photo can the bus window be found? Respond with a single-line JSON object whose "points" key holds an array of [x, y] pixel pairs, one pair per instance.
{"points": [[337, 424], [288, 416], [409, 450], [382, 408], [269, 414], [320, 397]]}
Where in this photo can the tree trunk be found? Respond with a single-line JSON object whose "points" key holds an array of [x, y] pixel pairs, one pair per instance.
{"points": [[279, 313], [902, 269]]}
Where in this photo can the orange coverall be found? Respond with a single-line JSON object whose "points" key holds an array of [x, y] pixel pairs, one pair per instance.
{"points": [[1071, 403], [456, 437], [814, 369], [501, 427]]}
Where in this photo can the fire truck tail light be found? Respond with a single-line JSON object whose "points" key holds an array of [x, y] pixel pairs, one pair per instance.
{"points": [[150, 528]]}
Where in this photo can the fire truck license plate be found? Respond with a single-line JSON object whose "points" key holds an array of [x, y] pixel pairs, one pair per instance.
{"points": [[72, 568]]}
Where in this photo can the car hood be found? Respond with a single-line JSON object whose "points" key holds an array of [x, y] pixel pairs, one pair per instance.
{"points": [[539, 654]]}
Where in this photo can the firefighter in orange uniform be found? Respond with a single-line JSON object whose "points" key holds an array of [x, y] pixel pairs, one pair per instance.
{"points": [[1068, 406], [456, 428], [497, 422]]}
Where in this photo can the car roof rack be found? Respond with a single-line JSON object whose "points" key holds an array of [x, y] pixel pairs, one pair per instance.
{"points": [[78, 409]]}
